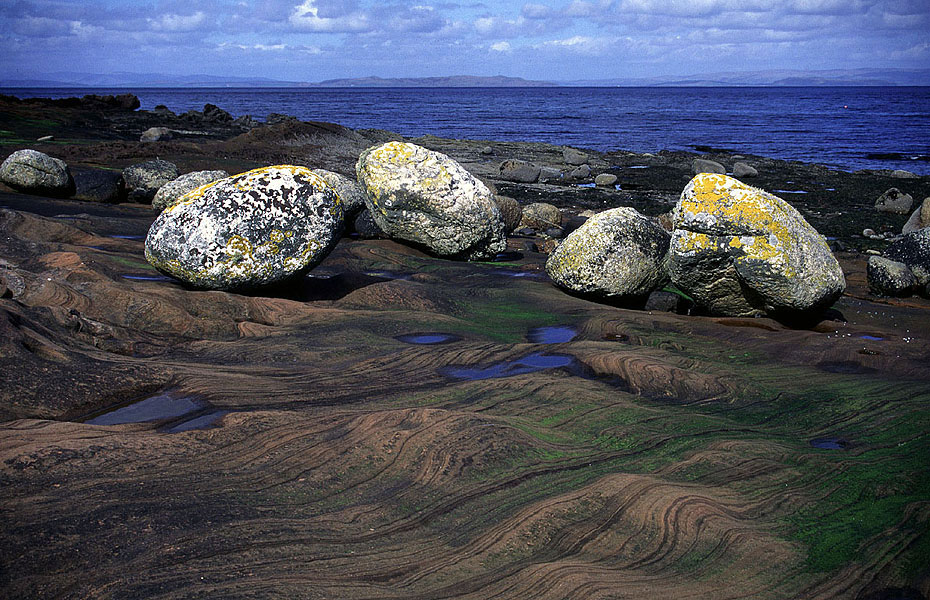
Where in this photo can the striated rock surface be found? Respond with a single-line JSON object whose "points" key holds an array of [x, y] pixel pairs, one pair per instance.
{"points": [[616, 254], [34, 172], [252, 229], [143, 180], [738, 250], [172, 191], [425, 197]]}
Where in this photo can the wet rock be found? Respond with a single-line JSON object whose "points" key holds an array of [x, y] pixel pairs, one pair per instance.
{"points": [[425, 197], [174, 190], [215, 114], [249, 230], [349, 191], [511, 212], [574, 157], [156, 134], [889, 278], [605, 180], [98, 185], [740, 251], [616, 254], [913, 250], [541, 216], [518, 171], [894, 201], [741, 169], [143, 180], [34, 172], [702, 165]]}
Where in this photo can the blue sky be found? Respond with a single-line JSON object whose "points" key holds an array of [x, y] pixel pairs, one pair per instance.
{"points": [[313, 40]]}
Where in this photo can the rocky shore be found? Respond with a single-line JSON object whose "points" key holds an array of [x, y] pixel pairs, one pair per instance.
{"points": [[411, 414]]}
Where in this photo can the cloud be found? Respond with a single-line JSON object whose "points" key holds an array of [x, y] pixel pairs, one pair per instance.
{"points": [[178, 22], [501, 47], [536, 11], [306, 17]]}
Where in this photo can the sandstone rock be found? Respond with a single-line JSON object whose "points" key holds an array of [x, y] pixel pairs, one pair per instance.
{"points": [[741, 251], [253, 229], [98, 185], [541, 216], [741, 169], [171, 192], [702, 165], [143, 180], [889, 278], [518, 171], [894, 201], [605, 180], [33, 172], [616, 254], [156, 134], [913, 250], [574, 157], [425, 197], [349, 191], [511, 212]]}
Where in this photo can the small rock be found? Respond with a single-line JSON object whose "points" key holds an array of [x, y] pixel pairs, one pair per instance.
{"points": [[582, 172], [276, 118], [163, 111], [349, 191], [156, 134], [246, 122], [572, 223], [46, 138], [511, 212], [487, 151], [541, 216], [741, 169], [702, 165], [555, 233], [143, 180], [34, 172], [524, 231], [173, 191], [518, 171], [889, 278], [868, 232], [549, 174], [574, 157], [605, 180], [894, 201], [902, 174], [587, 213], [98, 185]]}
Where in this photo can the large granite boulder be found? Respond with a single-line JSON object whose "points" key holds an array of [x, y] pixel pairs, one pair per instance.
{"points": [[143, 180], [740, 251], [252, 229], [616, 254], [172, 191], [34, 172], [425, 197], [350, 192], [913, 250]]}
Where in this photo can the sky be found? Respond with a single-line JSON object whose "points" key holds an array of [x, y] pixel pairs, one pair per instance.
{"points": [[555, 40]]}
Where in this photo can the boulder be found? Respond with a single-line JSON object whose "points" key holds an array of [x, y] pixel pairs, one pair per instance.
{"points": [[143, 180], [518, 171], [549, 174], [574, 157], [582, 172], [366, 228], [913, 250], [511, 212], [616, 254], [889, 278], [902, 174], [605, 180], [541, 216], [98, 185], [349, 191], [919, 219], [215, 114], [741, 169], [425, 197], [33, 172], [740, 251], [156, 134], [246, 122], [894, 201], [171, 192], [252, 229], [702, 165]]}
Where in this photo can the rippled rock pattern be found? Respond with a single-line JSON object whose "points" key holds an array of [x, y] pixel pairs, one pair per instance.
{"points": [[425, 197], [740, 251], [252, 229], [34, 172], [617, 254]]}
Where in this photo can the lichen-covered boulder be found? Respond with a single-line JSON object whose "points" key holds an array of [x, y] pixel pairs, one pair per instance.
{"points": [[34, 172], [248, 230], [350, 192], [740, 251], [889, 278], [913, 250], [616, 254], [172, 191], [143, 180], [425, 197]]}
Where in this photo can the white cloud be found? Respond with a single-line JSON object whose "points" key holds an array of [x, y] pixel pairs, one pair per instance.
{"points": [[306, 17], [174, 22], [501, 47]]}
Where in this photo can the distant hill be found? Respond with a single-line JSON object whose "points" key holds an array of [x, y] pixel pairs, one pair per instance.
{"points": [[774, 78], [453, 81]]}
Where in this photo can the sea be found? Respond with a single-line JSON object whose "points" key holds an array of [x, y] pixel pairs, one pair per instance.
{"points": [[848, 128]]}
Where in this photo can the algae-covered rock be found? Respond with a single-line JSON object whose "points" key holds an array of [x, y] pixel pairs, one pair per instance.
{"points": [[34, 172], [172, 191], [425, 197], [248, 230], [616, 254], [738, 250]]}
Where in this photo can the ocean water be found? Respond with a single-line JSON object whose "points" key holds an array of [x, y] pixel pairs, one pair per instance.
{"points": [[845, 127]]}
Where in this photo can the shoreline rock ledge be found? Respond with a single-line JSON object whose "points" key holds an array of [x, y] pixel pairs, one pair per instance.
{"points": [[740, 251], [427, 198], [253, 229]]}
